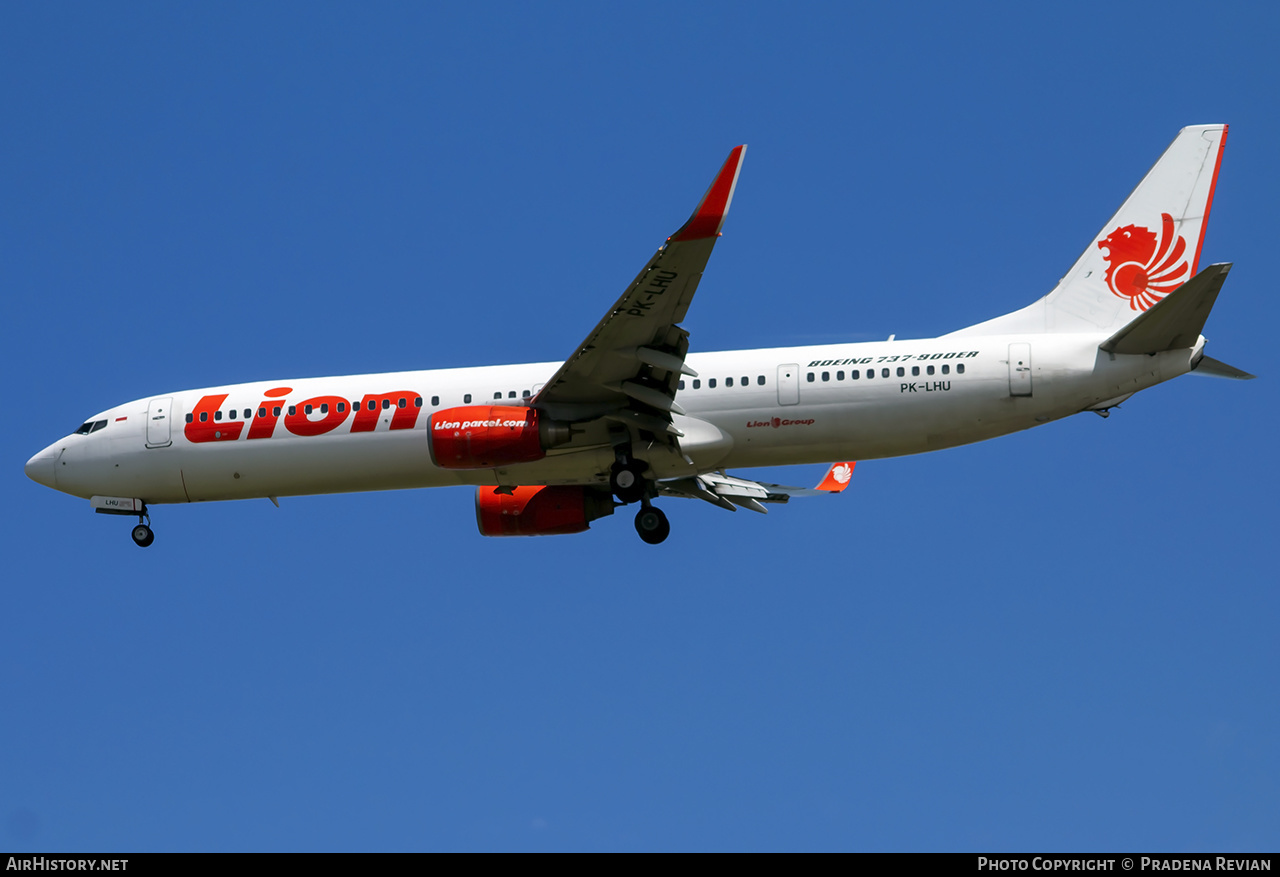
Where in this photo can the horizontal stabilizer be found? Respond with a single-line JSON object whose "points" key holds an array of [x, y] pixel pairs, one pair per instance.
{"points": [[1176, 321], [1215, 369]]}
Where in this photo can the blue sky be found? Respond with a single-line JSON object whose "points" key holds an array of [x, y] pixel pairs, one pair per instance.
{"points": [[1058, 640]]}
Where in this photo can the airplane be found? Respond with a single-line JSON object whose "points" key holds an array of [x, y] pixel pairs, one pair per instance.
{"points": [[633, 416]]}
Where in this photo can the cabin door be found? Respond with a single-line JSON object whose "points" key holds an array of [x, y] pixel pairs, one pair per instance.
{"points": [[159, 416], [1019, 369]]}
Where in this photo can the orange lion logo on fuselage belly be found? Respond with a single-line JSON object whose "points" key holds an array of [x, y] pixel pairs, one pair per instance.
{"points": [[1141, 267]]}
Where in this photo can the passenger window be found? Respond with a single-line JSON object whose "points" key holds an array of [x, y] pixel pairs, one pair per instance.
{"points": [[746, 381], [525, 394], [204, 418], [840, 376], [697, 384], [497, 395], [275, 411], [293, 409], [946, 369], [959, 368], [853, 375], [826, 376], [403, 403], [902, 372], [871, 373], [679, 385], [248, 412], [417, 401], [386, 403], [928, 369], [435, 400], [711, 383], [915, 371], [728, 382], [884, 373], [305, 410], [809, 377], [189, 419], [342, 407], [760, 380], [466, 400], [232, 414], [324, 407], [217, 415], [372, 405], [511, 394], [262, 412]]}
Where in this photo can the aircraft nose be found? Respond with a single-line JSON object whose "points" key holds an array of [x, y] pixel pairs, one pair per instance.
{"points": [[40, 468]]}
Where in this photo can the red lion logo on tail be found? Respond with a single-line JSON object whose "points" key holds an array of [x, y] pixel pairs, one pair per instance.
{"points": [[1142, 268]]}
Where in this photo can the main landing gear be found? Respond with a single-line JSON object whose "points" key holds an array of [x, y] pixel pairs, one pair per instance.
{"points": [[627, 481], [652, 524]]}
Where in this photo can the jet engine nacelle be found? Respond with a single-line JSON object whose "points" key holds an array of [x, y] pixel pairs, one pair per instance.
{"points": [[539, 511], [484, 436]]}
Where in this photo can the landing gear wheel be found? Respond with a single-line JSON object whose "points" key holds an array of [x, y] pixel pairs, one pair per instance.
{"points": [[143, 536], [626, 480], [652, 525]]}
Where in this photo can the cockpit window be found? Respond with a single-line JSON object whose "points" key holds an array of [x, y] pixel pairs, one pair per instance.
{"points": [[91, 426]]}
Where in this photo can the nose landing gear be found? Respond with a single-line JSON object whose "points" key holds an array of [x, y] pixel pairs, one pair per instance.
{"points": [[142, 535], [131, 506]]}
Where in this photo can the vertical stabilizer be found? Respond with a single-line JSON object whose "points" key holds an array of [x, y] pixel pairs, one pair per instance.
{"points": [[1146, 251]]}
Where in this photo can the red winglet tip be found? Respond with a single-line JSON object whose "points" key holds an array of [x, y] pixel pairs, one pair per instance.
{"points": [[838, 477], [711, 210]]}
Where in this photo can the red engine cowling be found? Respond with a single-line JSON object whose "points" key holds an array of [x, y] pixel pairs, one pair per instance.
{"points": [[540, 511], [484, 436]]}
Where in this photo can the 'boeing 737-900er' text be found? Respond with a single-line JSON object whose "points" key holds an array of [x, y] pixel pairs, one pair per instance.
{"points": [[633, 417]]}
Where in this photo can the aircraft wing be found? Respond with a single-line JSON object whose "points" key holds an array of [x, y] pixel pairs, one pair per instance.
{"points": [[728, 492], [628, 366]]}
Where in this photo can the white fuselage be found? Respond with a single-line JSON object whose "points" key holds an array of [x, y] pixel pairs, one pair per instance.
{"points": [[778, 406]]}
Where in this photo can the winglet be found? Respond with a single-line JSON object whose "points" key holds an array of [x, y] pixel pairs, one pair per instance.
{"points": [[838, 478], [714, 206]]}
